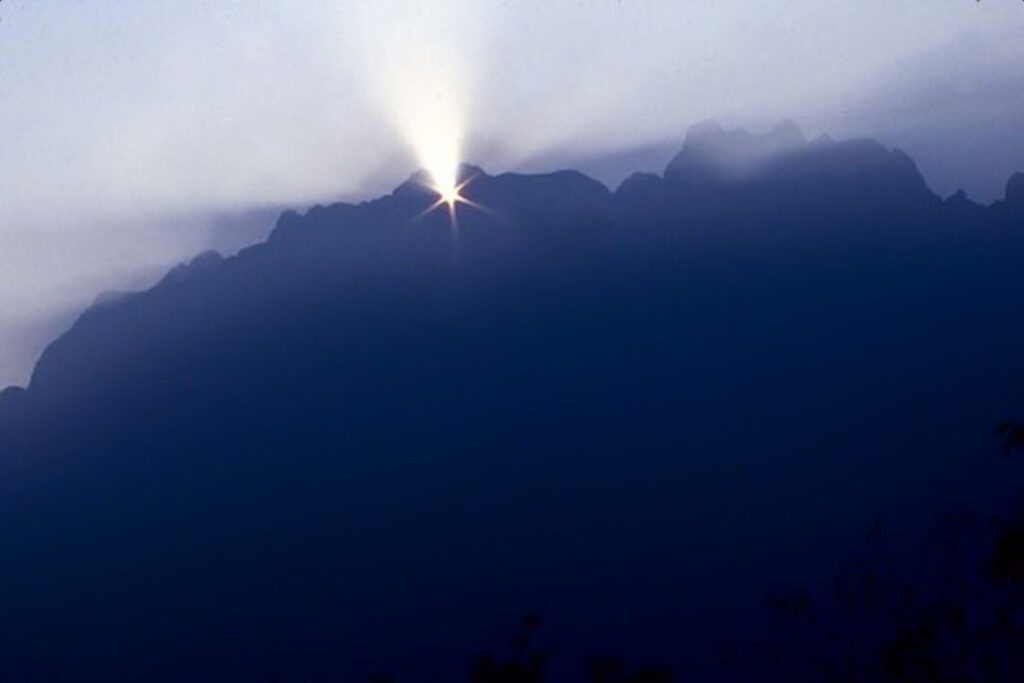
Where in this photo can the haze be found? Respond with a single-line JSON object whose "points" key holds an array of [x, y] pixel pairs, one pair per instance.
{"points": [[137, 134]]}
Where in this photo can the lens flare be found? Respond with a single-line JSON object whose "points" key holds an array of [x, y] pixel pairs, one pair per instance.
{"points": [[448, 189], [437, 144], [449, 195], [436, 141], [443, 177]]}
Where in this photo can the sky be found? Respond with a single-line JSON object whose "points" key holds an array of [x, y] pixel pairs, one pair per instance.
{"points": [[135, 135]]}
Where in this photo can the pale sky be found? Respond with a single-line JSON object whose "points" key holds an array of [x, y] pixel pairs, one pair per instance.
{"points": [[135, 134]]}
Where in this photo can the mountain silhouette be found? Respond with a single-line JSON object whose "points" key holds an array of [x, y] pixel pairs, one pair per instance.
{"points": [[364, 440], [1015, 190], [713, 153]]}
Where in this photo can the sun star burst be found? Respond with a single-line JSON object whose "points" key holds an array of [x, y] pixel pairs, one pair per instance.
{"points": [[450, 193]]}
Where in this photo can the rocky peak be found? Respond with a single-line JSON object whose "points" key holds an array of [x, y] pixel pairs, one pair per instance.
{"points": [[711, 152], [1015, 189]]}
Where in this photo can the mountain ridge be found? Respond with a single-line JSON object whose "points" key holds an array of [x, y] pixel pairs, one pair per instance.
{"points": [[709, 154], [575, 398]]}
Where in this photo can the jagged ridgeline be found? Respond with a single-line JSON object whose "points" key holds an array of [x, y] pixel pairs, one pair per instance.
{"points": [[369, 441]]}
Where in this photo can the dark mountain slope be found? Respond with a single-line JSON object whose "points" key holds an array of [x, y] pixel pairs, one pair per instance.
{"points": [[368, 440]]}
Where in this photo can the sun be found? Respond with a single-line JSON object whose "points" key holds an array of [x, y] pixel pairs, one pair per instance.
{"points": [[446, 183], [438, 148], [448, 189], [449, 195], [447, 180]]}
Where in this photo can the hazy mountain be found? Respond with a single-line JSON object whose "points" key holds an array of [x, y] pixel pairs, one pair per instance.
{"points": [[374, 439]]}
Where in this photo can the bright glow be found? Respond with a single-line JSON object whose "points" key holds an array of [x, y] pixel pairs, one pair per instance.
{"points": [[448, 189], [435, 137], [449, 194], [444, 170], [425, 79]]}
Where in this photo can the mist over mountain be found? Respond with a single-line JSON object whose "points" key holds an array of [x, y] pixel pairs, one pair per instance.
{"points": [[373, 439]]}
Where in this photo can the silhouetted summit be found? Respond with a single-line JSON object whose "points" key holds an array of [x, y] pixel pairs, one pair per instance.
{"points": [[710, 153], [632, 408], [1015, 190], [783, 165]]}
